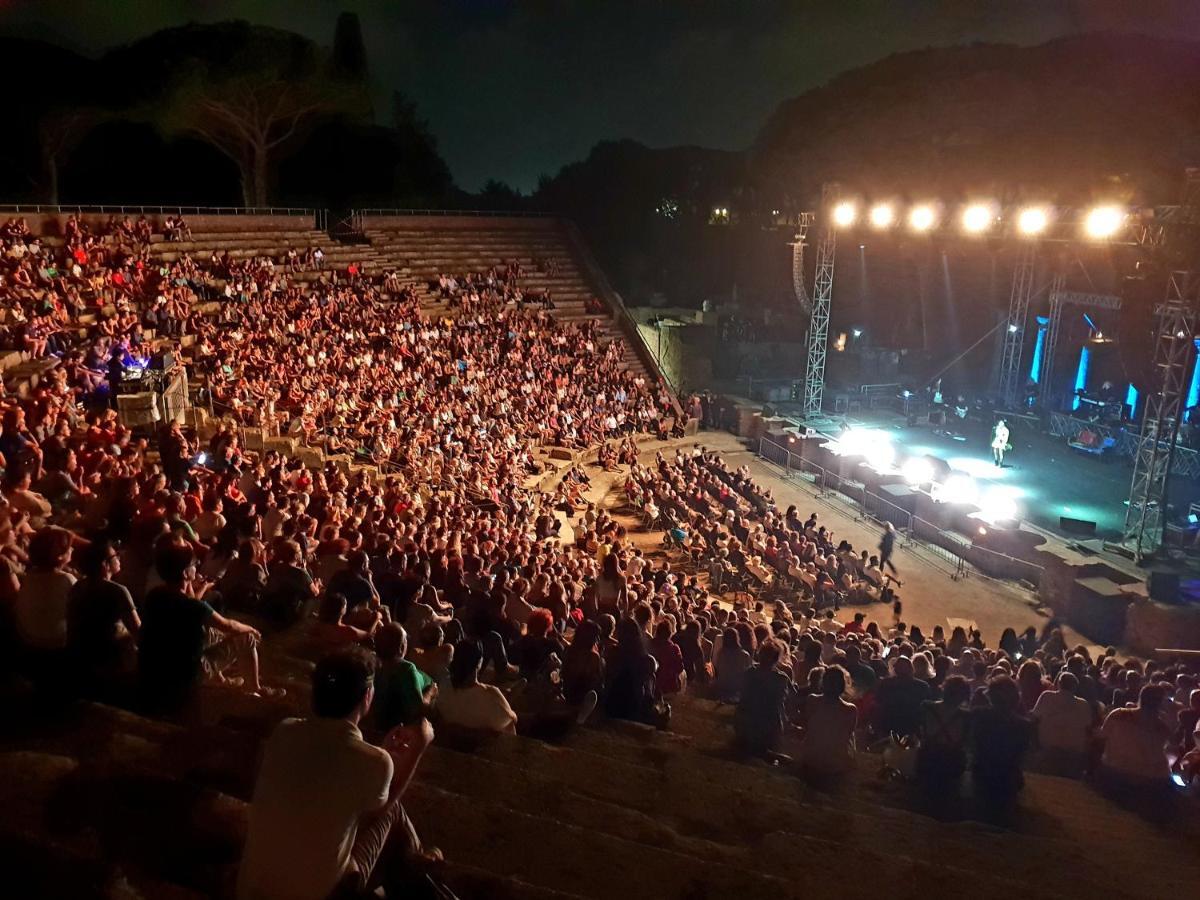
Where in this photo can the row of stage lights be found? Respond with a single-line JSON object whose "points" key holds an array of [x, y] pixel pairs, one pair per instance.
{"points": [[996, 503], [1099, 223]]}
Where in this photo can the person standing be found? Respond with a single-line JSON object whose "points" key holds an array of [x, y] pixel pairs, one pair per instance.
{"points": [[887, 546], [999, 442]]}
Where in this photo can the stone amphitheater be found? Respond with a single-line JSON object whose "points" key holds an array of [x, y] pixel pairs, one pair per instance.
{"points": [[100, 802]]}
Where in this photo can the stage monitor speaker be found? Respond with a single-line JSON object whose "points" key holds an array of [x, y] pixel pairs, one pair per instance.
{"points": [[1076, 526], [1163, 586]]}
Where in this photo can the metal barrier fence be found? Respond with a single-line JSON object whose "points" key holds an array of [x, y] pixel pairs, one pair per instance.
{"points": [[506, 213], [954, 551], [127, 208]]}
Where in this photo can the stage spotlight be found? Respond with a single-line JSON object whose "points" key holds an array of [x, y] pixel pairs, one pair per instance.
{"points": [[922, 218], [918, 470], [977, 218], [1103, 222], [866, 442], [844, 214], [1033, 220], [958, 488], [998, 505], [880, 456], [882, 215]]}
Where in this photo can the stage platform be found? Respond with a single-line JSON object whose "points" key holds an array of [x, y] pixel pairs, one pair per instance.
{"points": [[1086, 581], [1052, 479]]}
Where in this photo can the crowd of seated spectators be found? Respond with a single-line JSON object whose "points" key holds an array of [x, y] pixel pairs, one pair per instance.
{"points": [[446, 591], [131, 565], [731, 526], [453, 408]]}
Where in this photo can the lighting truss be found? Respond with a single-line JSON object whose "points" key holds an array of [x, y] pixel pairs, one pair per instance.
{"points": [[818, 326], [1160, 423], [1014, 334], [1058, 300]]}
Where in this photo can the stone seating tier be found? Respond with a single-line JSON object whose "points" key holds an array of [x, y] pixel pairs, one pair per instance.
{"points": [[614, 810]]}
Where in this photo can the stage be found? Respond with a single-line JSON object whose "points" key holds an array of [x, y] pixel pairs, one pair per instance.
{"points": [[1049, 479], [966, 512]]}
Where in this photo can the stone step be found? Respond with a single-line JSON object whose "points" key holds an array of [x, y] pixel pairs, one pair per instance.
{"points": [[118, 818], [639, 770], [530, 792], [569, 858]]}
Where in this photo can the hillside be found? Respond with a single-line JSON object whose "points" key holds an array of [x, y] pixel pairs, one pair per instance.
{"points": [[1065, 119]]}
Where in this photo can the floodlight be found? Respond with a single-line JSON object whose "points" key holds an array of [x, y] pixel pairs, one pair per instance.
{"points": [[1103, 222], [958, 488], [864, 442], [880, 454], [844, 214], [921, 218], [977, 218], [883, 215], [998, 505], [918, 470], [1033, 220]]}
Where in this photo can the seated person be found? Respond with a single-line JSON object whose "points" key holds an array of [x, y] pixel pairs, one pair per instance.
{"points": [[184, 640], [403, 693], [466, 703], [331, 630], [432, 654], [326, 818], [102, 622]]}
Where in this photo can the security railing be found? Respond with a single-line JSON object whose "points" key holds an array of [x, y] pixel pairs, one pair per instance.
{"points": [[506, 213], [950, 552], [131, 209]]}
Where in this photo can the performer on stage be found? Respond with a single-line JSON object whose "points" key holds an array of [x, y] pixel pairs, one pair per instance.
{"points": [[999, 442]]}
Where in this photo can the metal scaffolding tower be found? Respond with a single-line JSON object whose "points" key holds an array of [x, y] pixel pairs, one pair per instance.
{"points": [[1014, 332], [818, 327], [1059, 300], [1160, 423], [1175, 243]]}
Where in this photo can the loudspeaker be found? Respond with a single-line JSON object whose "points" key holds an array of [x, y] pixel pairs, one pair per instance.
{"points": [[1076, 526], [163, 361], [1164, 586]]}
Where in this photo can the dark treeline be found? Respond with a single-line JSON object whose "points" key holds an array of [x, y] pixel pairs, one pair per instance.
{"points": [[234, 113]]}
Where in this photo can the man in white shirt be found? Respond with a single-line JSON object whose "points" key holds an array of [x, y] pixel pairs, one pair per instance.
{"points": [[40, 610], [829, 624], [1065, 722], [326, 813], [1135, 740]]}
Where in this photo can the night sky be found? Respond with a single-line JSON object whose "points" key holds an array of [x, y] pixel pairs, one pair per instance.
{"points": [[513, 90]]}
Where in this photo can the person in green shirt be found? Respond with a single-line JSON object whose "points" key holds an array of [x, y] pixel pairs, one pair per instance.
{"points": [[403, 693]]}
